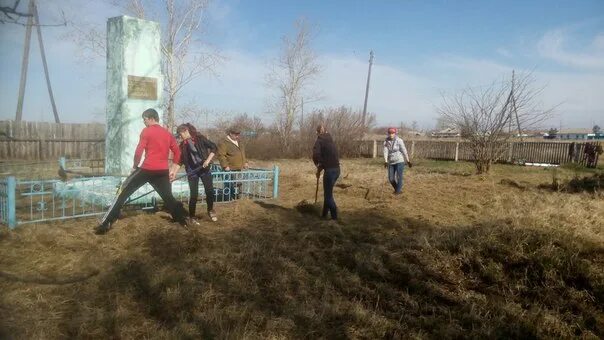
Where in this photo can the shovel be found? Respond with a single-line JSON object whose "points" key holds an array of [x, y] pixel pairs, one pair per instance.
{"points": [[317, 190], [306, 207]]}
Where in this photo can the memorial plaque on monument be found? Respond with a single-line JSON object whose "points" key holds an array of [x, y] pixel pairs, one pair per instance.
{"points": [[142, 88]]}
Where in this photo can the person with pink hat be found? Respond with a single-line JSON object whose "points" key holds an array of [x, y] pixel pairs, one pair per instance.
{"points": [[395, 157]]}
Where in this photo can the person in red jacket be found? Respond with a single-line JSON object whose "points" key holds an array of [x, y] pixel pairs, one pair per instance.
{"points": [[156, 142]]}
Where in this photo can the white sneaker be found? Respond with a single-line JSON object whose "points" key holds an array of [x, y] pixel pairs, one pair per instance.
{"points": [[212, 215]]}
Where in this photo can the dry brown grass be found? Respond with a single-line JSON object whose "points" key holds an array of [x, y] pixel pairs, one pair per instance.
{"points": [[454, 256]]}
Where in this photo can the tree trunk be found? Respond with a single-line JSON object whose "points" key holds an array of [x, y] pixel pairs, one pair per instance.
{"points": [[170, 114]]}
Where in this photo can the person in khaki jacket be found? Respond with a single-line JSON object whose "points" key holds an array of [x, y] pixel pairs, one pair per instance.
{"points": [[231, 155]]}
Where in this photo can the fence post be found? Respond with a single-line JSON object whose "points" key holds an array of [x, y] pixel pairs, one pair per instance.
{"points": [[11, 214], [510, 151], [412, 148], [597, 155], [374, 148], [275, 181], [40, 149], [456, 151]]}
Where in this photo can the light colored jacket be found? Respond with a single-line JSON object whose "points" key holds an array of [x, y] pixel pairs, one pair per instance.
{"points": [[395, 151]]}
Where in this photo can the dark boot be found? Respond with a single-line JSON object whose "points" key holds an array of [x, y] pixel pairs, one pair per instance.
{"points": [[102, 228]]}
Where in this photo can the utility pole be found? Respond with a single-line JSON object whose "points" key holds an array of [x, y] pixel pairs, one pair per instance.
{"points": [[52, 98], [367, 88], [25, 61], [514, 106], [512, 101], [32, 20]]}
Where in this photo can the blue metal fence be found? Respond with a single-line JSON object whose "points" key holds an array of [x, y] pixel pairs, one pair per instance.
{"points": [[31, 201], [7, 201]]}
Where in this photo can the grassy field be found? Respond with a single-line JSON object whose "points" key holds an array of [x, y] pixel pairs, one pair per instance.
{"points": [[456, 256]]}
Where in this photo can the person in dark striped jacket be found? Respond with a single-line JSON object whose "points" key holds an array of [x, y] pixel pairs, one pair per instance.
{"points": [[197, 153]]}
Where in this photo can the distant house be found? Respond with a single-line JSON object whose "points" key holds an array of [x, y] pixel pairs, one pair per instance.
{"points": [[446, 133], [532, 134], [598, 136], [574, 134], [412, 133]]}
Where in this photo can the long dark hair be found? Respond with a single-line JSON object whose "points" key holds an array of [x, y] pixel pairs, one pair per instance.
{"points": [[189, 127]]}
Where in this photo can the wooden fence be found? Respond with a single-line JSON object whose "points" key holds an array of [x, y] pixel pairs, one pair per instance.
{"points": [[43, 141], [49, 141], [513, 152]]}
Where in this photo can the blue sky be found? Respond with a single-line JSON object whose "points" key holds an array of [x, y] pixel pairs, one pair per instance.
{"points": [[422, 50]]}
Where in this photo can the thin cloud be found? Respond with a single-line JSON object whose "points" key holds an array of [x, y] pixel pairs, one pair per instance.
{"points": [[554, 46], [504, 52], [398, 92]]}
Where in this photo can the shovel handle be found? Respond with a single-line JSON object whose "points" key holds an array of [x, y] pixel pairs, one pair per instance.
{"points": [[317, 190]]}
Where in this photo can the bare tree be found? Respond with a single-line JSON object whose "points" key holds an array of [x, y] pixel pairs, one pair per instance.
{"points": [[345, 125], [484, 117], [183, 60], [290, 76], [441, 123], [192, 113], [10, 14], [181, 64]]}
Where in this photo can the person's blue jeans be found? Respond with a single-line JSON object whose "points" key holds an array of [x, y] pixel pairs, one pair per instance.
{"points": [[395, 176], [329, 204]]}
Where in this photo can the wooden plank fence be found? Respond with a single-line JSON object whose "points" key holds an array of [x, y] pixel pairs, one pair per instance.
{"points": [[513, 152], [44, 141], [49, 141]]}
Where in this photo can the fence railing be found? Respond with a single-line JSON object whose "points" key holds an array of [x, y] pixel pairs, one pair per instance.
{"points": [[31, 201], [46, 149], [49, 141], [512, 152], [7, 201]]}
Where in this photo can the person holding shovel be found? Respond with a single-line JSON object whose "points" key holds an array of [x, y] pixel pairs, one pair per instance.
{"points": [[325, 157], [395, 156], [156, 142], [197, 153]]}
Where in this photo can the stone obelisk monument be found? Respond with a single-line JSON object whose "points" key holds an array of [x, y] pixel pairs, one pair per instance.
{"points": [[134, 84]]}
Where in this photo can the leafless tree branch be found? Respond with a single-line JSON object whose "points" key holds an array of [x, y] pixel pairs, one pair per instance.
{"points": [[182, 22], [290, 76], [485, 117], [10, 15]]}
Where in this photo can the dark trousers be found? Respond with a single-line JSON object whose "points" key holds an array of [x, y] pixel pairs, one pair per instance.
{"points": [[395, 176], [208, 187], [330, 176], [160, 181]]}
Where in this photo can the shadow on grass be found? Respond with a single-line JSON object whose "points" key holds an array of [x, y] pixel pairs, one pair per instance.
{"points": [[376, 277], [271, 206]]}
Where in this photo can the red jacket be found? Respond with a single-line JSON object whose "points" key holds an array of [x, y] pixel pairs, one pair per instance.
{"points": [[157, 142]]}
